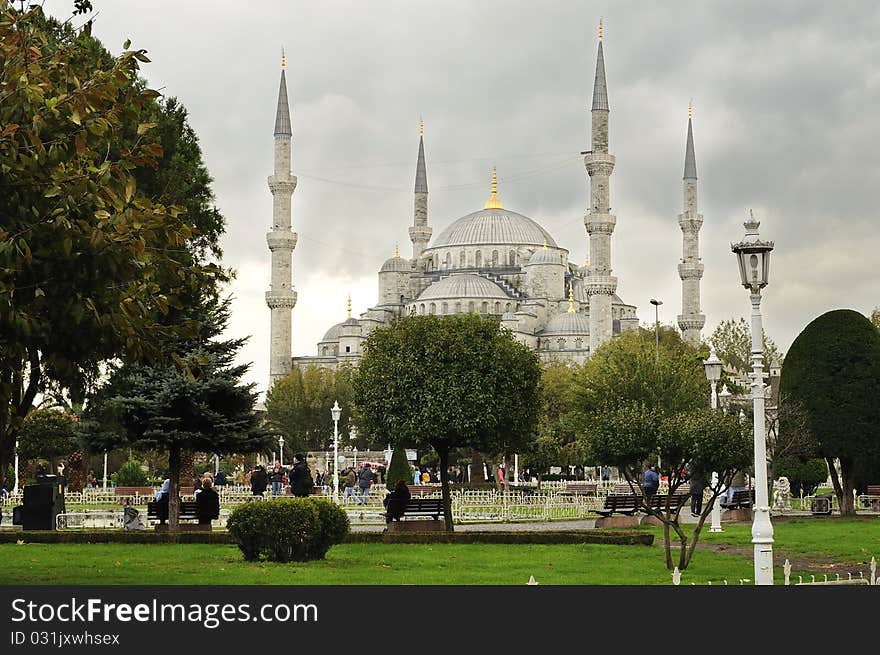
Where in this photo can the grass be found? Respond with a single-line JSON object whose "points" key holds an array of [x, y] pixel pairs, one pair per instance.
{"points": [[725, 555]]}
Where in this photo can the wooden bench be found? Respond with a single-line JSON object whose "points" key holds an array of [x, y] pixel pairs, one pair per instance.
{"points": [[674, 503], [621, 504], [580, 489], [872, 497], [739, 500], [188, 511], [419, 507]]}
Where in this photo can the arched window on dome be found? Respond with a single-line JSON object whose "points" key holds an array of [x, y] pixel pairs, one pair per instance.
{"points": [[485, 308], [422, 309], [560, 343], [324, 351], [507, 308], [578, 344], [471, 307], [478, 259], [432, 309], [511, 258], [497, 307], [436, 261], [461, 259], [448, 260], [494, 259], [401, 299], [444, 309], [458, 308]]}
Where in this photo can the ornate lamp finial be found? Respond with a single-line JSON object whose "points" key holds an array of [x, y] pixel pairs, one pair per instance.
{"points": [[349, 304], [421, 127], [600, 29], [493, 202], [283, 59], [570, 298]]}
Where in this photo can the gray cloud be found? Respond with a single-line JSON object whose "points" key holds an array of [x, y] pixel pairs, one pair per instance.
{"points": [[784, 94]]}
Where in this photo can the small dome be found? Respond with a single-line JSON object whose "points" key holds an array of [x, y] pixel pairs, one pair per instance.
{"points": [[565, 324], [496, 226], [350, 321], [395, 265], [332, 334], [545, 256], [464, 285], [508, 316]]}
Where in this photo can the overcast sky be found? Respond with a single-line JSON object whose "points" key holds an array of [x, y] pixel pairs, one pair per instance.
{"points": [[785, 97]]}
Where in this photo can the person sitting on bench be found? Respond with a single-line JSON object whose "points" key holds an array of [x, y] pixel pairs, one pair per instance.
{"points": [[395, 502], [162, 499], [207, 502]]}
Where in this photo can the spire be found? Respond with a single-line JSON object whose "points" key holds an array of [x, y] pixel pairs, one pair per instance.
{"points": [[282, 115], [349, 304], [570, 298], [600, 90], [690, 162], [421, 172], [493, 202]]}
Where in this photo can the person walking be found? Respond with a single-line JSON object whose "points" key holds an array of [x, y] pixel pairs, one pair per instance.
{"points": [[417, 475], [698, 485], [348, 490], [301, 483], [365, 481], [651, 481]]}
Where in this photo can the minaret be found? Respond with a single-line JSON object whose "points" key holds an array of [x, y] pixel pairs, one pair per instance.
{"points": [[690, 270], [420, 232], [281, 297], [599, 221]]}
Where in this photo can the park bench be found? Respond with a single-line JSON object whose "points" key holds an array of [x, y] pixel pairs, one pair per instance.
{"points": [[740, 499], [580, 489], [620, 503], [871, 500], [675, 502], [424, 507], [188, 511]]}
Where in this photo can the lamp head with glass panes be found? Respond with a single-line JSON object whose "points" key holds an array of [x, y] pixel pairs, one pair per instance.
{"points": [[753, 256]]}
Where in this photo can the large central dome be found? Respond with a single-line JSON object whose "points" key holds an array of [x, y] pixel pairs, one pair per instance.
{"points": [[493, 227]]}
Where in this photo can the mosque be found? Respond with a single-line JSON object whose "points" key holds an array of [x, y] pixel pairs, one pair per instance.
{"points": [[495, 262]]}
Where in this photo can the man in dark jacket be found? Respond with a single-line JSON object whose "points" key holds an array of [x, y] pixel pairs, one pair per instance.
{"points": [[395, 502], [207, 503], [365, 481], [276, 477], [301, 483], [651, 481], [259, 481]]}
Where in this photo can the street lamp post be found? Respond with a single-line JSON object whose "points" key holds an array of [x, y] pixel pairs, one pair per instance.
{"points": [[657, 304], [335, 412], [281, 450], [713, 374], [104, 483], [753, 257], [15, 487]]}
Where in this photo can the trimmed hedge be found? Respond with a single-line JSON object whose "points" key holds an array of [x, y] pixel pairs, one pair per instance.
{"points": [[287, 529], [613, 537]]}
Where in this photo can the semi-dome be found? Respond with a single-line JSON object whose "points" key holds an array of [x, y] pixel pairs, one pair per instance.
{"points": [[332, 334], [568, 323], [465, 285], [395, 264], [494, 226], [545, 256]]}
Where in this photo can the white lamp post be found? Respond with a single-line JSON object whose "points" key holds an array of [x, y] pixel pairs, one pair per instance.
{"points": [[335, 412], [753, 257], [15, 487], [281, 450], [104, 483], [713, 374], [657, 304]]}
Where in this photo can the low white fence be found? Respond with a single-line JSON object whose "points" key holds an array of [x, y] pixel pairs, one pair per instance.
{"points": [[836, 579]]}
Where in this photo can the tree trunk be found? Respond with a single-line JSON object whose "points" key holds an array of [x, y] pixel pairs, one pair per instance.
{"points": [[444, 483], [478, 471], [847, 506], [836, 482], [174, 489], [187, 468], [539, 480], [74, 471]]}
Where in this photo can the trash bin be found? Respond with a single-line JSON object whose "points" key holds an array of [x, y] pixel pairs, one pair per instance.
{"points": [[41, 503]]}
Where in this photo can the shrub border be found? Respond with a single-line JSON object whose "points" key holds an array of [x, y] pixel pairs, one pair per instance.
{"points": [[611, 537]]}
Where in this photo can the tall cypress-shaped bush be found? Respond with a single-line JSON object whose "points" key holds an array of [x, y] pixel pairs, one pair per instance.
{"points": [[398, 469]]}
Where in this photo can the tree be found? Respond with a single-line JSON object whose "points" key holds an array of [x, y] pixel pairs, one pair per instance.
{"points": [[88, 263], [875, 317], [47, 434], [628, 434], [298, 406], [448, 382], [732, 340], [200, 407], [398, 468], [833, 372]]}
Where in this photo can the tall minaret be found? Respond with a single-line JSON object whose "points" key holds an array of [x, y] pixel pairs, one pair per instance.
{"points": [[599, 221], [420, 232], [281, 297], [690, 270]]}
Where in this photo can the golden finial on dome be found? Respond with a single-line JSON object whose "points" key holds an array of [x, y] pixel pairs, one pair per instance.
{"points": [[493, 202], [421, 127], [570, 298], [349, 304], [545, 243], [396, 251], [283, 59], [600, 28], [690, 109]]}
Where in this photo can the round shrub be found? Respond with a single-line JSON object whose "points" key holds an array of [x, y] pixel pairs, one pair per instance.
{"points": [[333, 527], [287, 529], [131, 474]]}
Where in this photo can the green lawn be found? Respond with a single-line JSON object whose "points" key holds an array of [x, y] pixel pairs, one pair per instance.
{"points": [[815, 540]]}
